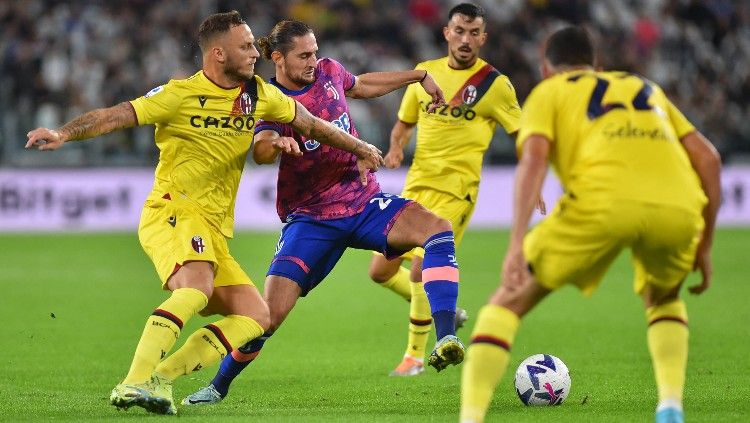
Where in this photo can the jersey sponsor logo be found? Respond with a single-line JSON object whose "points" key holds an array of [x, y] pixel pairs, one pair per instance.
{"points": [[311, 145], [224, 122], [202, 100], [154, 91], [343, 122], [332, 92], [463, 111], [469, 95], [197, 244]]}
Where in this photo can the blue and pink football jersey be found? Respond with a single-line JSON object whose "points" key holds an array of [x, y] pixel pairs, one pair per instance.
{"points": [[323, 183]]}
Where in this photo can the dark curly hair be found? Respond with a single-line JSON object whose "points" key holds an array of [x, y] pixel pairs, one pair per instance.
{"points": [[282, 36]]}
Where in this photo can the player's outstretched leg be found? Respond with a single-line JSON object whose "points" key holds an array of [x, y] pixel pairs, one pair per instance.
{"points": [[420, 322], [159, 335], [489, 352], [440, 277], [667, 335], [231, 366], [209, 345], [486, 359], [392, 275], [155, 396]]}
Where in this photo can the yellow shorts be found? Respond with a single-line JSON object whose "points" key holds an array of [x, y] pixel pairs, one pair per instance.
{"points": [[451, 208], [577, 243], [172, 233]]}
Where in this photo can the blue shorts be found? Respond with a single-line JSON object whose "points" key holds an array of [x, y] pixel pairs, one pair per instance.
{"points": [[308, 249]]}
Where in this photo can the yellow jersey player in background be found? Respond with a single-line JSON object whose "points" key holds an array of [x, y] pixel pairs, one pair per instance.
{"points": [[637, 175], [204, 128], [445, 173]]}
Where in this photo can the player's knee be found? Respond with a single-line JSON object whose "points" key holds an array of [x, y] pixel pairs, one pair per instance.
{"points": [[653, 296], [196, 275], [437, 225], [441, 225], [379, 274]]}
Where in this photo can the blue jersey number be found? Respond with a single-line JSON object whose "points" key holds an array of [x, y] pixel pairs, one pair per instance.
{"points": [[597, 109]]}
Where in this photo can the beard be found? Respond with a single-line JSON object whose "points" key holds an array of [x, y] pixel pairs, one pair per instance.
{"points": [[303, 78], [461, 57], [237, 71]]}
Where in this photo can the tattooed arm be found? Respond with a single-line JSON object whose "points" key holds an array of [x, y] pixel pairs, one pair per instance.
{"points": [[88, 125], [368, 156]]}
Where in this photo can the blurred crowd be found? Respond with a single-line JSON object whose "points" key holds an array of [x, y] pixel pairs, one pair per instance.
{"points": [[61, 58]]}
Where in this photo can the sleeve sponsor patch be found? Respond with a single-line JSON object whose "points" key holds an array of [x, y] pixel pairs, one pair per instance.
{"points": [[154, 91]]}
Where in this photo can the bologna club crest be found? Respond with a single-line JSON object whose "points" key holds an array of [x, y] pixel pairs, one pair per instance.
{"points": [[469, 95], [246, 104], [197, 243]]}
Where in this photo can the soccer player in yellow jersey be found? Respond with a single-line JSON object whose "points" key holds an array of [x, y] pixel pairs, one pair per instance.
{"points": [[204, 128], [444, 176], [637, 175]]}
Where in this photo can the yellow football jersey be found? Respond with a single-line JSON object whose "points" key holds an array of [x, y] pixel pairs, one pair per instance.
{"points": [[614, 136], [203, 133], [451, 142]]}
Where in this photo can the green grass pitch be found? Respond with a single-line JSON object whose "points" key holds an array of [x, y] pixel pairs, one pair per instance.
{"points": [[73, 307]]}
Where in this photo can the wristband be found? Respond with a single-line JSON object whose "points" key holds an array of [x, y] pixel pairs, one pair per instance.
{"points": [[425, 76]]}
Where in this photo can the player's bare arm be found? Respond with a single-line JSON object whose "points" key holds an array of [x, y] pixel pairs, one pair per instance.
{"points": [[707, 164], [400, 137], [540, 204], [88, 125], [529, 178], [268, 144], [375, 84], [368, 156]]}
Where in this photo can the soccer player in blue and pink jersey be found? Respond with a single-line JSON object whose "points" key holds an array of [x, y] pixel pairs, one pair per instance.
{"points": [[328, 206]]}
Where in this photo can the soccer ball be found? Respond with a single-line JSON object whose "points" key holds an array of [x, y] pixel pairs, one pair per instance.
{"points": [[542, 379]]}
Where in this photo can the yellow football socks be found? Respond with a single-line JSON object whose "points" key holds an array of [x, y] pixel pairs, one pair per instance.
{"points": [[161, 331], [667, 335], [210, 344], [399, 283], [486, 360], [420, 321]]}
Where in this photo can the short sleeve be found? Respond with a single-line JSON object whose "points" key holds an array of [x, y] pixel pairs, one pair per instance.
{"points": [[347, 78], [505, 110], [266, 125], [681, 124], [279, 107], [158, 105], [537, 117], [409, 110]]}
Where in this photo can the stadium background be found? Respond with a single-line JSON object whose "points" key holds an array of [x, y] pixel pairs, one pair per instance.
{"points": [[73, 304], [60, 58]]}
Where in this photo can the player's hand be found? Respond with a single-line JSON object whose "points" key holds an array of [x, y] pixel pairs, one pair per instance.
{"points": [[368, 158], [431, 88], [515, 269], [394, 158], [44, 139], [287, 145], [704, 264], [541, 205]]}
